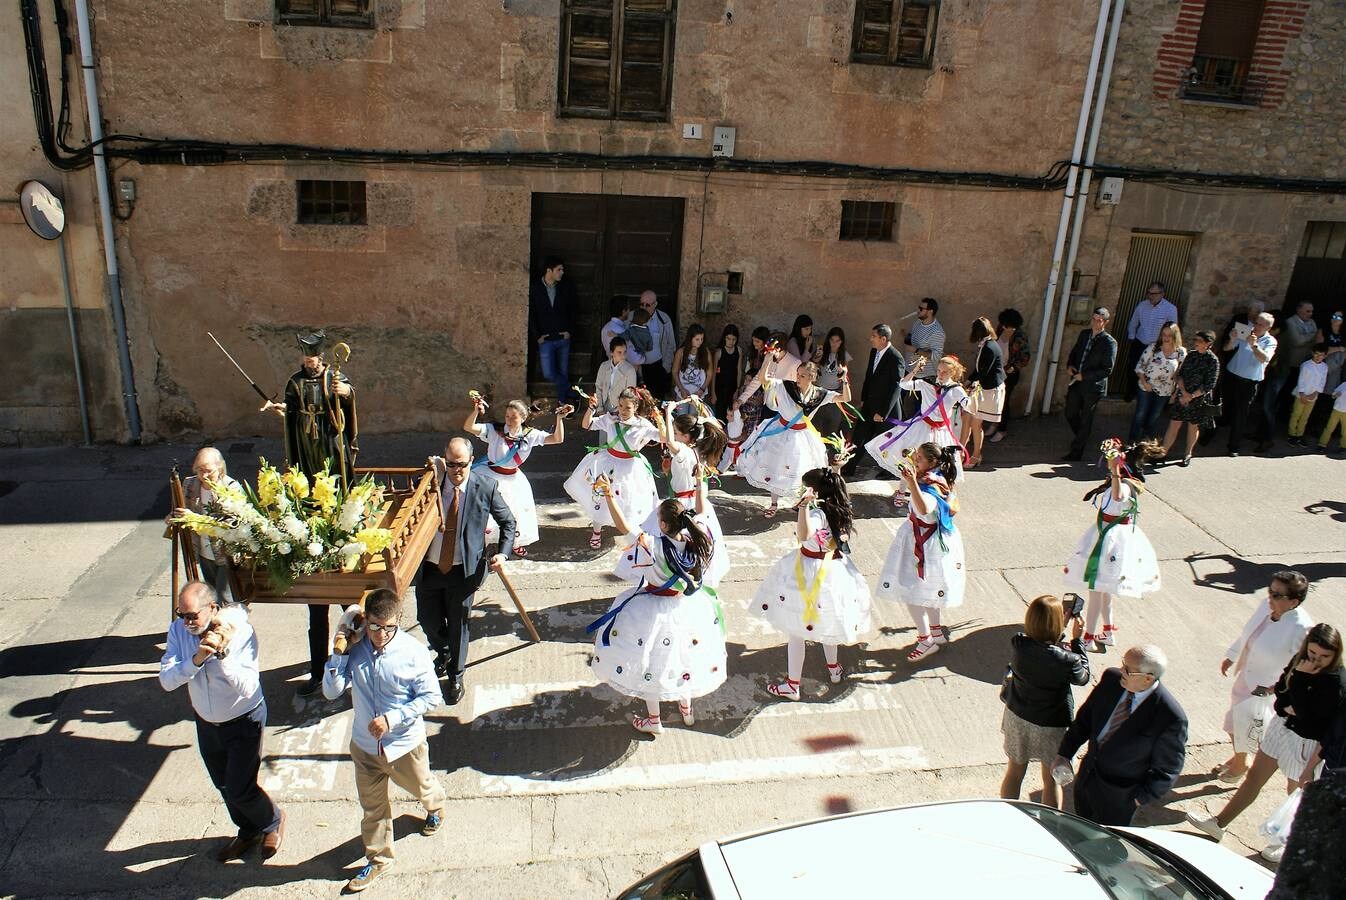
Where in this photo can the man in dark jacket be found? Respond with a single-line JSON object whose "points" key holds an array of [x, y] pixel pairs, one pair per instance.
{"points": [[551, 319], [456, 561], [879, 394], [1089, 366], [1137, 737]]}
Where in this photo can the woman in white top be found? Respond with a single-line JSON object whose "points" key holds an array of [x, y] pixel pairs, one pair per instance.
{"points": [[691, 368], [1157, 374], [833, 367], [1257, 657], [507, 447]]}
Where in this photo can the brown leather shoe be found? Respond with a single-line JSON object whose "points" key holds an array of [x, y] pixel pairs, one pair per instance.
{"points": [[271, 841], [237, 847]]}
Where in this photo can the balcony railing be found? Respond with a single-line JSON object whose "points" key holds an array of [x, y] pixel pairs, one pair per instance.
{"points": [[1223, 80]]}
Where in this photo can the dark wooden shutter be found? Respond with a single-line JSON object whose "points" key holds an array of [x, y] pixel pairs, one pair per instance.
{"points": [[873, 25], [299, 9], [588, 65], [646, 58], [1229, 29], [914, 32]]}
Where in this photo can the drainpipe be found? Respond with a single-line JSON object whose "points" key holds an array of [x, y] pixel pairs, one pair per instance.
{"points": [[1068, 200], [105, 218], [1078, 227]]}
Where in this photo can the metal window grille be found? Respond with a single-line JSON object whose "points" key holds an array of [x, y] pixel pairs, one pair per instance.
{"points": [[1224, 52], [332, 203], [864, 220]]}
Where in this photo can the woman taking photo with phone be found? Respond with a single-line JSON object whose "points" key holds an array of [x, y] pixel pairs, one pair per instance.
{"points": [[1038, 703]]}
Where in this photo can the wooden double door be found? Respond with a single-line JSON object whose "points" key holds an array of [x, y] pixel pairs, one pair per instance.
{"points": [[613, 246]]}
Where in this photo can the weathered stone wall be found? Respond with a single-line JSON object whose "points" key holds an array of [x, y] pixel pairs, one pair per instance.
{"points": [[38, 394], [1299, 128], [482, 74], [431, 298]]}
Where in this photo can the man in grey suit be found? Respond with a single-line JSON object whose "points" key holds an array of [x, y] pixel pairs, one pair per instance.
{"points": [[455, 564]]}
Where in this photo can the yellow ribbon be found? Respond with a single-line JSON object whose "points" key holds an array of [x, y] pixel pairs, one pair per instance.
{"points": [[810, 591]]}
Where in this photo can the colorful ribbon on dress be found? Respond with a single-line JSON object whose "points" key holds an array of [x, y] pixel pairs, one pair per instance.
{"points": [[810, 591], [512, 453], [924, 414], [922, 531], [677, 571], [619, 437], [1105, 524]]}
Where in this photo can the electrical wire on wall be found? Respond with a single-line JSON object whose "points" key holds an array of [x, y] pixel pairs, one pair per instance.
{"points": [[148, 151]]}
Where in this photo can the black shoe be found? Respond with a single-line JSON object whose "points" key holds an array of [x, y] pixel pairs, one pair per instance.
{"points": [[441, 666], [1264, 446], [453, 691], [310, 687]]}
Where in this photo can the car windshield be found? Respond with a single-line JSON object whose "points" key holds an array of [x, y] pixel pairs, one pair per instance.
{"points": [[1124, 869], [680, 880]]}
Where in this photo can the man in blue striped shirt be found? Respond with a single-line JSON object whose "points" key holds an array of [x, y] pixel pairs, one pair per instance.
{"points": [[391, 677], [1147, 321]]}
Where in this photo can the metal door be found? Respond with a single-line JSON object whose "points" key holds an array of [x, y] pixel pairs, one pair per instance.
{"points": [[1153, 257]]}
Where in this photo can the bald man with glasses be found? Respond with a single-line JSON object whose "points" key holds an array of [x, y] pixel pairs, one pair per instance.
{"points": [[455, 564], [213, 651]]}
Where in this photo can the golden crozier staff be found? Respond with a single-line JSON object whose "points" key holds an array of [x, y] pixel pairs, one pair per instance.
{"points": [[319, 411]]}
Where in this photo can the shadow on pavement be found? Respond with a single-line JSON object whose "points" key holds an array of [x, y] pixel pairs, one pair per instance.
{"points": [[1242, 576]]}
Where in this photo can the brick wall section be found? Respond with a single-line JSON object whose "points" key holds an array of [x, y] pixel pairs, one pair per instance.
{"points": [[1282, 22], [1176, 49]]}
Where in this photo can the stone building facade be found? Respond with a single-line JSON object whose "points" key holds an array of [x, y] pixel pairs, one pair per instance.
{"points": [[429, 286]]}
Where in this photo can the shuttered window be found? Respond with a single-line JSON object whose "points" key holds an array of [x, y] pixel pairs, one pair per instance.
{"points": [[330, 13], [895, 32], [616, 58], [1224, 49], [864, 220]]}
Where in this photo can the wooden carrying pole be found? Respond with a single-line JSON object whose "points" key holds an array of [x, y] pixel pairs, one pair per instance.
{"points": [[518, 604], [181, 542]]}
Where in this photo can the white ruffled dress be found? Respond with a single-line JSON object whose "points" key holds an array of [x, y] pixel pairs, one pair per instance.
{"points": [[662, 644], [629, 473], [682, 478], [504, 460], [1127, 565], [924, 566], [784, 446], [816, 592], [936, 426]]}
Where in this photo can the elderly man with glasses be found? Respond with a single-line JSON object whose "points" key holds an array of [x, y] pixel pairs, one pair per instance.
{"points": [[455, 564], [1137, 738], [214, 652], [391, 677]]}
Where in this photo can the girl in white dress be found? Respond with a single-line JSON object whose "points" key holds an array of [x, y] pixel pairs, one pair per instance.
{"points": [[786, 445], [662, 639], [816, 593], [507, 447], [937, 403], [619, 461], [690, 439], [925, 565], [734, 447], [1113, 556]]}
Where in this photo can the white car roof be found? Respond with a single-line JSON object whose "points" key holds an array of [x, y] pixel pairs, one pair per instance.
{"points": [[953, 850]]}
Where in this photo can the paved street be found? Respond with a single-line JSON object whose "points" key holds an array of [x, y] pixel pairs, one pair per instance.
{"points": [[552, 792]]}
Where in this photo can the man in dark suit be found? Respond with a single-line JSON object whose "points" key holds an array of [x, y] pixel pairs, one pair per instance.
{"points": [[1137, 736], [455, 564], [551, 320], [1090, 366], [879, 395]]}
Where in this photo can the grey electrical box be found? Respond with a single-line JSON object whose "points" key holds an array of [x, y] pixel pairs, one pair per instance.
{"points": [[713, 298], [1110, 191], [722, 143]]}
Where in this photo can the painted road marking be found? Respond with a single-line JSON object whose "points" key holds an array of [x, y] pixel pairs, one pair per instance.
{"points": [[840, 762], [288, 751]]}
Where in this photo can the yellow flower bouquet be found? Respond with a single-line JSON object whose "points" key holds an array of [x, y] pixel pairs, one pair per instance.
{"points": [[292, 526]]}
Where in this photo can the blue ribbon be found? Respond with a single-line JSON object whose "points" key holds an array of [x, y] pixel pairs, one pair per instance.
{"points": [[609, 618], [772, 430], [943, 514], [511, 452]]}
